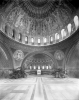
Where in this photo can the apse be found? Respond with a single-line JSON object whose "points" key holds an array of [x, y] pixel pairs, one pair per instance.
{"points": [[37, 61]]}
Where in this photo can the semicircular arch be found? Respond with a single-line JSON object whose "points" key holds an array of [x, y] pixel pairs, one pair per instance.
{"points": [[6, 60], [37, 52]]}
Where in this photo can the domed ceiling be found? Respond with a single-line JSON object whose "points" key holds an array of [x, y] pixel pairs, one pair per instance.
{"points": [[39, 18], [38, 21]]}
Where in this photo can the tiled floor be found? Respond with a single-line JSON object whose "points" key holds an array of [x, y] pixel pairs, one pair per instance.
{"points": [[39, 88]]}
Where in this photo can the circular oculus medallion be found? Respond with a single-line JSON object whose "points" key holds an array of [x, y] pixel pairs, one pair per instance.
{"points": [[18, 55], [59, 55]]}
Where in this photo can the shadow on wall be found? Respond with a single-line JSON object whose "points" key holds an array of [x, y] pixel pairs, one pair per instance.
{"points": [[73, 64]]}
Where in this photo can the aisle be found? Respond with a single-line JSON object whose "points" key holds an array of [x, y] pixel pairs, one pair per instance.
{"points": [[39, 88]]}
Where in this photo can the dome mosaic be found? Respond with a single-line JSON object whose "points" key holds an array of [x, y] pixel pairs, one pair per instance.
{"points": [[39, 22], [39, 18]]}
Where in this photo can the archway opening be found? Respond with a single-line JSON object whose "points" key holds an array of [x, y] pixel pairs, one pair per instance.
{"points": [[39, 64]]}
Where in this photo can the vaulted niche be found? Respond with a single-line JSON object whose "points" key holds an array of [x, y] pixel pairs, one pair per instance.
{"points": [[39, 61]]}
